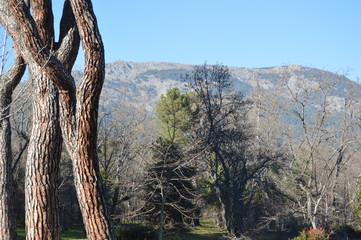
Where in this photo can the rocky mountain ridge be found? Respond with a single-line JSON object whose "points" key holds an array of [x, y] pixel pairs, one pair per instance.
{"points": [[143, 83]]}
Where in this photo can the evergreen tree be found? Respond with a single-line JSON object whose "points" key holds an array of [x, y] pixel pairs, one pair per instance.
{"points": [[176, 114], [170, 187], [171, 192]]}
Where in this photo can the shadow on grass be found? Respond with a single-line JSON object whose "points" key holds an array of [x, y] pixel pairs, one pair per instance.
{"points": [[193, 236], [207, 231], [73, 234], [68, 235], [20, 234]]}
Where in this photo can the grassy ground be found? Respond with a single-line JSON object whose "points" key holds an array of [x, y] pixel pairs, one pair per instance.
{"points": [[207, 231], [73, 234], [68, 235], [21, 233]]}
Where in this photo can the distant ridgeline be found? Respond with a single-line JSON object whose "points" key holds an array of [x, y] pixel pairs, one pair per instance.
{"points": [[141, 84]]}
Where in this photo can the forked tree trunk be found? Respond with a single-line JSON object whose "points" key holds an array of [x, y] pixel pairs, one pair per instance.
{"points": [[79, 108], [45, 146], [7, 85], [42, 165]]}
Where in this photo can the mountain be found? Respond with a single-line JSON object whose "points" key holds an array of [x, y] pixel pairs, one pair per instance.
{"points": [[143, 83]]}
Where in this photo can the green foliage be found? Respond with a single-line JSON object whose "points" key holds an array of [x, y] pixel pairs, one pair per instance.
{"points": [[169, 185], [303, 235], [315, 234], [208, 192], [357, 208], [103, 173], [177, 114]]}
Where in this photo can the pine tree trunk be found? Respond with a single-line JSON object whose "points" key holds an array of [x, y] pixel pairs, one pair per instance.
{"points": [[87, 177], [79, 107], [42, 166]]}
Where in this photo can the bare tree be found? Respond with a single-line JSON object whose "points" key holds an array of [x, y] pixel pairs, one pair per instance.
{"points": [[234, 158], [320, 133], [123, 133]]}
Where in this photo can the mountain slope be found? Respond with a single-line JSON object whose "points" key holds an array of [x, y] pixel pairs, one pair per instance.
{"points": [[143, 83]]}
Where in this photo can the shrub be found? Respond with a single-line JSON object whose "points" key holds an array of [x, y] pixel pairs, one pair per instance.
{"points": [[315, 234], [135, 232], [344, 231]]}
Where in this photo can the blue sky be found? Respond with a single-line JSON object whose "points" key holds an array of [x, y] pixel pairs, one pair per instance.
{"points": [[245, 33]]}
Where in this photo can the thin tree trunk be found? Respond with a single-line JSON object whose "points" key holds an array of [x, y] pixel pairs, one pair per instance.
{"points": [[6, 226], [8, 83], [311, 216], [161, 214], [114, 200]]}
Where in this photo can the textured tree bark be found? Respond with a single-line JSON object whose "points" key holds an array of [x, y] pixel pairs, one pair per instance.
{"points": [[7, 85], [42, 166], [86, 169], [78, 109], [45, 144], [6, 231]]}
